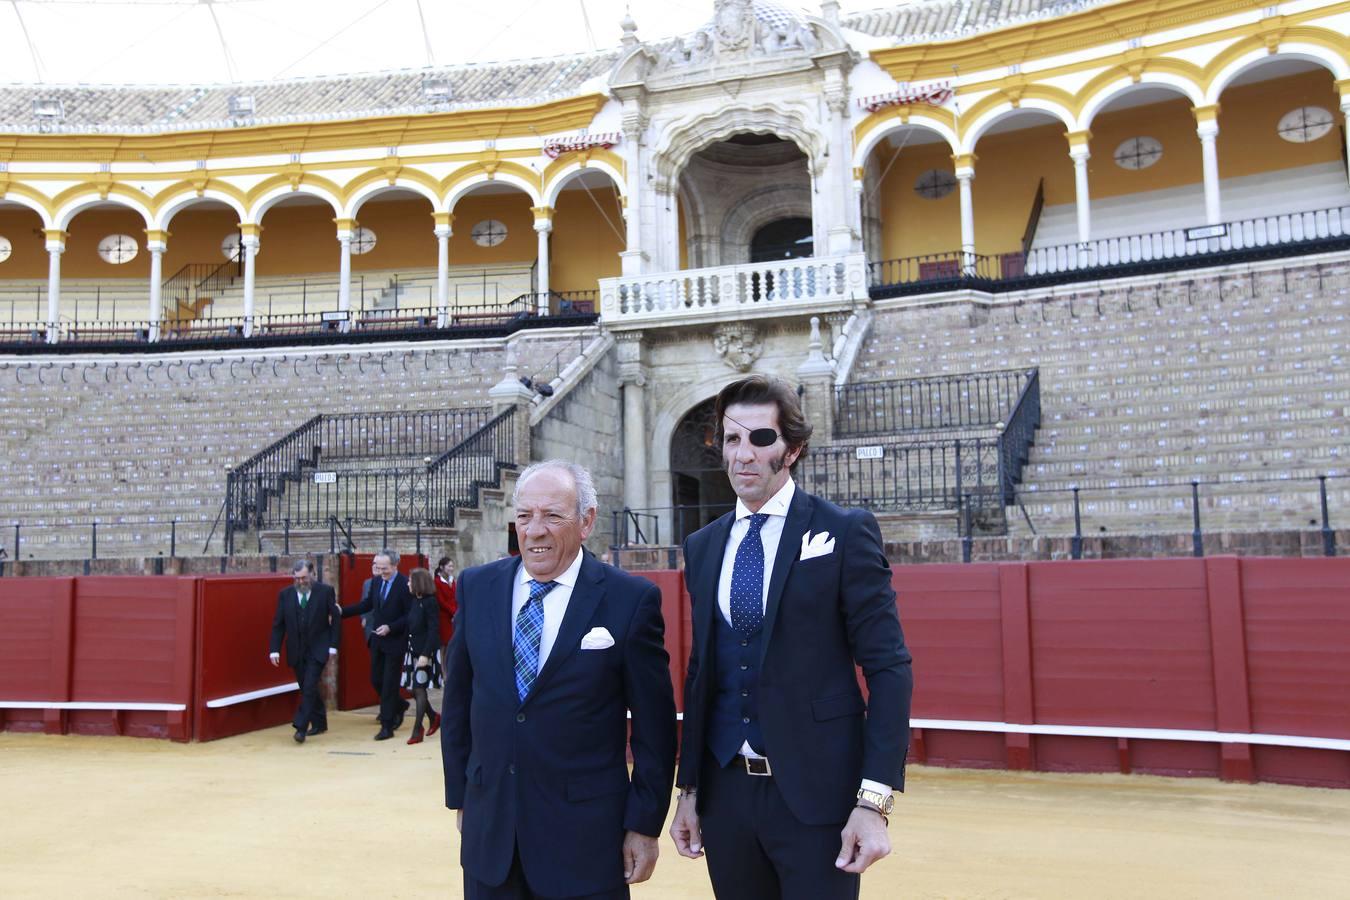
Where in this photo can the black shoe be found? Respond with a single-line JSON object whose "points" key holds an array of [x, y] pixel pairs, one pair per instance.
{"points": [[315, 729], [384, 735], [398, 723], [299, 735]]}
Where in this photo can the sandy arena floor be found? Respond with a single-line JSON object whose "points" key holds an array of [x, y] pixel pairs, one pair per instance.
{"points": [[259, 816]]}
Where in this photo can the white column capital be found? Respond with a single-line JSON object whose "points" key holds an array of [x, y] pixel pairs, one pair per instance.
{"points": [[443, 231], [56, 240], [250, 241], [1080, 154], [1207, 131], [543, 226]]}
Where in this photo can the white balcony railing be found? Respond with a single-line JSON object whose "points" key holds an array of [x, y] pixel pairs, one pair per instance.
{"points": [[731, 291]]}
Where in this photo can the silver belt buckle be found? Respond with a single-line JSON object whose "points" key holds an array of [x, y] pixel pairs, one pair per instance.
{"points": [[757, 765]]}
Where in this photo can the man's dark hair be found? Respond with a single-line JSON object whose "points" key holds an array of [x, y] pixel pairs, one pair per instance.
{"points": [[757, 389]]}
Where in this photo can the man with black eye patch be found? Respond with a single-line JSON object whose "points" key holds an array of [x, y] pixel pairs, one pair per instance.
{"points": [[786, 775]]}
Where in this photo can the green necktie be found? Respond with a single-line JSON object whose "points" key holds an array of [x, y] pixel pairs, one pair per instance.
{"points": [[304, 598]]}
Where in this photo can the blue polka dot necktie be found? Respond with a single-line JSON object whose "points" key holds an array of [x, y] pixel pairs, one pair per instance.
{"points": [[747, 579], [529, 633]]}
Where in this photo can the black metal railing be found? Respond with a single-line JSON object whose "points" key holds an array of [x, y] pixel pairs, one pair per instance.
{"points": [[1017, 436], [968, 401], [365, 467], [1239, 240], [906, 476], [196, 285]]}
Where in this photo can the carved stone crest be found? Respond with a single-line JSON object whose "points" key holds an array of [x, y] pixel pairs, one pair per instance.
{"points": [[733, 24], [739, 344]]}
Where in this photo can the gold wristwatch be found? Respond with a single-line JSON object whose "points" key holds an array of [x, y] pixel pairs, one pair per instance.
{"points": [[883, 802]]}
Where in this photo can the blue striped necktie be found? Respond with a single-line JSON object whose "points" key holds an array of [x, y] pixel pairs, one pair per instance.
{"points": [[529, 632], [747, 579]]}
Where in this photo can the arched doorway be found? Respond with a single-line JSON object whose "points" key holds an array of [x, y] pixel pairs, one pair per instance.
{"points": [[782, 239], [699, 488]]}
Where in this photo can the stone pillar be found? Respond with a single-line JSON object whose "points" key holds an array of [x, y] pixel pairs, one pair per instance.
{"points": [[843, 226], [56, 245], [1207, 127], [633, 377], [248, 239], [156, 241], [508, 393], [965, 174], [543, 226], [634, 259], [1080, 154], [345, 229], [817, 377], [443, 230]]}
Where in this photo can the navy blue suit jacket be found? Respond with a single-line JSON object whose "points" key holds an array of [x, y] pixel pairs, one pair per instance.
{"points": [[307, 633], [392, 612], [550, 774], [823, 615]]}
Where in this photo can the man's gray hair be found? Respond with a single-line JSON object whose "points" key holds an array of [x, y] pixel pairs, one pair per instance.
{"points": [[390, 555], [581, 477], [301, 564]]}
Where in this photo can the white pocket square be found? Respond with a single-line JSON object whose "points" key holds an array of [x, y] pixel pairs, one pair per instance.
{"points": [[597, 639], [814, 545]]}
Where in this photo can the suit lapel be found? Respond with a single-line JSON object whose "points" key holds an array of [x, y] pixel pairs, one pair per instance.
{"points": [[789, 547], [710, 575], [581, 606], [502, 585]]}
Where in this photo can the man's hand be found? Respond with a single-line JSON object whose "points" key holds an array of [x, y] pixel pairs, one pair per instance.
{"points": [[639, 857], [423, 662], [275, 658], [685, 830], [459, 820], [382, 630], [865, 841]]}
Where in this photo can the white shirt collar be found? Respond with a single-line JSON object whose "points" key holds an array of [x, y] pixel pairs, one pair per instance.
{"points": [[568, 578], [776, 506]]}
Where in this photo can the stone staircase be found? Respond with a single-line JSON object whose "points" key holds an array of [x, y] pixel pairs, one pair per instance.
{"points": [[1236, 378], [136, 445]]}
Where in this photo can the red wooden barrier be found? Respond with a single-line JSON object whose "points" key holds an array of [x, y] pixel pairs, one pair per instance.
{"points": [[234, 676], [674, 603], [35, 646], [1228, 667]]}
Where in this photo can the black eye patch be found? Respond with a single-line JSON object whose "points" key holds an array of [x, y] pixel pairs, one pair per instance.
{"points": [[763, 437]]}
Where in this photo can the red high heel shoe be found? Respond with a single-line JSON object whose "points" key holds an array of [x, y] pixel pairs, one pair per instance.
{"points": [[435, 724], [416, 737]]}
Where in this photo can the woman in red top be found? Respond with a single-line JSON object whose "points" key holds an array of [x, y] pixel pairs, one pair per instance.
{"points": [[445, 598]]}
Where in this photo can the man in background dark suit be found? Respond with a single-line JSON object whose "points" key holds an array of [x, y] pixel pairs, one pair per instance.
{"points": [[785, 773], [550, 652], [387, 600], [307, 618]]}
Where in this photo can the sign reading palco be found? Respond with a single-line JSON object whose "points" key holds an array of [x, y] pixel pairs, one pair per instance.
{"points": [[873, 451], [325, 478]]}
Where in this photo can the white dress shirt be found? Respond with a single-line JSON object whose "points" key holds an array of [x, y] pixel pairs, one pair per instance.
{"points": [[771, 533], [555, 603]]}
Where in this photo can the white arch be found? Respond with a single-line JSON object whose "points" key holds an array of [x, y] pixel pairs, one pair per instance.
{"points": [[1007, 110], [1125, 84], [79, 204], [1312, 53], [568, 172], [29, 203], [876, 135], [282, 191], [483, 178], [374, 188], [179, 202]]}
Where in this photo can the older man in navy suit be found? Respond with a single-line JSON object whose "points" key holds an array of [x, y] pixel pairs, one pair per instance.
{"points": [[551, 652], [786, 775], [386, 600]]}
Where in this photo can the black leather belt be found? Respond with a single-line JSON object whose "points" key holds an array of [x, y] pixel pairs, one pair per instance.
{"points": [[756, 765]]}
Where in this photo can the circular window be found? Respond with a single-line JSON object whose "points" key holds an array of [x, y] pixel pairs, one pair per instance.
{"points": [[118, 249], [1307, 123], [5, 249], [1138, 153], [488, 233], [232, 248], [935, 184], [363, 241]]}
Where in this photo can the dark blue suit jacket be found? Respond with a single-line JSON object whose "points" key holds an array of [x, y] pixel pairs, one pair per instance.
{"points": [[550, 774], [823, 615], [392, 612]]}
